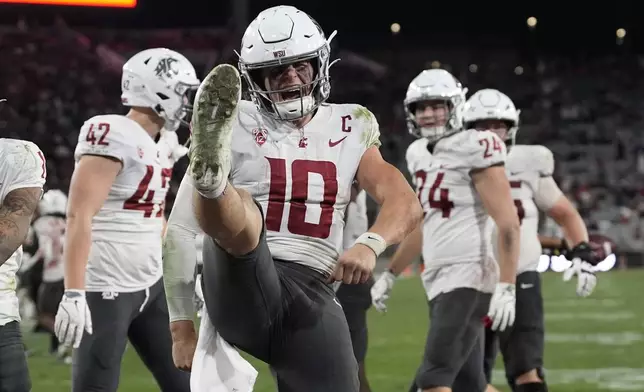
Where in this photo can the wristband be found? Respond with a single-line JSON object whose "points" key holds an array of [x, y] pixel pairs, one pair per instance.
{"points": [[374, 241], [74, 293]]}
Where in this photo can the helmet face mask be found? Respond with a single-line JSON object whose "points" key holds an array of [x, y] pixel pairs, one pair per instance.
{"points": [[427, 89], [162, 80], [489, 106], [281, 38]]}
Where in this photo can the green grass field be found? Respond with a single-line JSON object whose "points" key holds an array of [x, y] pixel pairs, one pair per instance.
{"points": [[593, 344]]}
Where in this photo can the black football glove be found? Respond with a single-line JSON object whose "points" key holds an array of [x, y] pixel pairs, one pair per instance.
{"points": [[584, 252]]}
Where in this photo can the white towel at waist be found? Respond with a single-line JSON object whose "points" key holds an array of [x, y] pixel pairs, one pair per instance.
{"points": [[217, 366]]}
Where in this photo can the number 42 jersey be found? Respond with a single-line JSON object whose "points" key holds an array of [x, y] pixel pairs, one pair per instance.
{"points": [[456, 228], [126, 232]]}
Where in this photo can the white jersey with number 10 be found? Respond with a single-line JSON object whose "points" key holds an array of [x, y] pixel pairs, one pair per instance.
{"points": [[126, 232], [302, 177]]}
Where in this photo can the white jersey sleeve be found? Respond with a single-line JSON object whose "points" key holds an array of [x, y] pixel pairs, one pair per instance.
{"points": [[544, 160], [370, 127], [547, 192], [417, 154], [482, 150], [24, 166], [106, 136], [180, 254]]}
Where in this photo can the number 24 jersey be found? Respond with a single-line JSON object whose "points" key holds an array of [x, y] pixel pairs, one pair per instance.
{"points": [[456, 226], [126, 232]]}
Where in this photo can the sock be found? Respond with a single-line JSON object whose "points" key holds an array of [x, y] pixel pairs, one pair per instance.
{"points": [[212, 193], [53, 343], [532, 387]]}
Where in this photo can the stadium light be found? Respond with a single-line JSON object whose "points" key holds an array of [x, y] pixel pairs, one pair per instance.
{"points": [[532, 22], [395, 28]]}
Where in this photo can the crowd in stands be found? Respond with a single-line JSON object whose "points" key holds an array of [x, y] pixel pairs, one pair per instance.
{"points": [[589, 110]]}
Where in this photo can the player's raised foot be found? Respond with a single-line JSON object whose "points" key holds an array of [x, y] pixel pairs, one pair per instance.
{"points": [[214, 112]]}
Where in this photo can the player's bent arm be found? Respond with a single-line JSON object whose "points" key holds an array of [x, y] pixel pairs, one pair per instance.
{"points": [[551, 242], [408, 250], [180, 255], [551, 199], [494, 189], [400, 212], [15, 218], [91, 182]]}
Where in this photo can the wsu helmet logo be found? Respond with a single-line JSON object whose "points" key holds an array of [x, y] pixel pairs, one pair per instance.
{"points": [[166, 68]]}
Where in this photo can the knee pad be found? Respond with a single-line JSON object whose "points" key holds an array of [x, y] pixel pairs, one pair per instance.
{"points": [[532, 387]]}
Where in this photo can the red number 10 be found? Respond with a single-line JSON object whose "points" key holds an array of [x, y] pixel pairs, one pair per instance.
{"points": [[300, 170]]}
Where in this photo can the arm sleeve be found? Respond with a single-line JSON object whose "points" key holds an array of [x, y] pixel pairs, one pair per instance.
{"points": [[410, 158], [545, 160], [28, 167], [371, 133], [180, 255], [484, 150], [547, 193], [104, 138]]}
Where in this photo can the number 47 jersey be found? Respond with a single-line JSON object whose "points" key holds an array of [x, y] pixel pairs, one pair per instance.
{"points": [[456, 228], [126, 232]]}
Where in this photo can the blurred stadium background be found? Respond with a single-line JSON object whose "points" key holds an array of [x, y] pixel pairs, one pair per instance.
{"points": [[574, 70]]}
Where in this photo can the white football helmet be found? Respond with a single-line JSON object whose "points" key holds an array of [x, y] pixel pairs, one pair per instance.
{"points": [[53, 201], [431, 85], [490, 104], [280, 36], [163, 80]]}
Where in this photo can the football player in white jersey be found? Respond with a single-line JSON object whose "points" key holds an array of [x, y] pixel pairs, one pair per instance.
{"points": [[461, 183], [529, 169], [113, 286], [273, 179], [356, 298], [49, 229], [22, 176]]}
